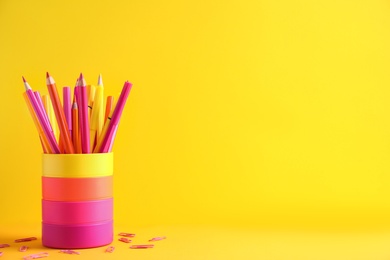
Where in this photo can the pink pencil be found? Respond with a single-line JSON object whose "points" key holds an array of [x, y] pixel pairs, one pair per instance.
{"points": [[112, 127], [67, 107], [84, 119], [41, 118]]}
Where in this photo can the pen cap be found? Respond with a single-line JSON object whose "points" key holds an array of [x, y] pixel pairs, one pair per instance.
{"points": [[77, 165]]}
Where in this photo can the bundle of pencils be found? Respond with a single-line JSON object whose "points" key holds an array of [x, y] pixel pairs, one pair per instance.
{"points": [[81, 125]]}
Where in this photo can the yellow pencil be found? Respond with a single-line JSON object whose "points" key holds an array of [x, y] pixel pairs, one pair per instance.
{"points": [[50, 113], [95, 128], [91, 90]]}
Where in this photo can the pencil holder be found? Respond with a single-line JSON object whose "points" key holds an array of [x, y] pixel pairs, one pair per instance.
{"points": [[77, 200]]}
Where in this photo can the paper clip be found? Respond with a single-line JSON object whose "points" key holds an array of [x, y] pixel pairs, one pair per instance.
{"points": [[4, 245], [35, 256], [1, 253], [110, 249], [25, 239], [70, 252], [126, 235], [23, 248], [141, 246], [125, 240], [157, 238]]}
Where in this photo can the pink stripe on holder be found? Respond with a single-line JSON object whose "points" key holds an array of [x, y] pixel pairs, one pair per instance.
{"points": [[77, 236], [76, 212]]}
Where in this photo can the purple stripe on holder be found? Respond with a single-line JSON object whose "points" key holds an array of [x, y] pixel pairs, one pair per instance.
{"points": [[77, 236], [76, 212]]}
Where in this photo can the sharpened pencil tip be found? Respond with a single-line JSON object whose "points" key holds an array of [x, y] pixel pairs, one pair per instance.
{"points": [[81, 82], [100, 80], [26, 85], [49, 79]]}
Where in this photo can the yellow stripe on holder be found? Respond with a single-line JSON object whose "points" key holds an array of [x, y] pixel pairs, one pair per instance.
{"points": [[77, 165]]}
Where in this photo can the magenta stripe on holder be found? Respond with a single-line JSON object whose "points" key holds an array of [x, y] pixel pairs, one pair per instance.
{"points": [[76, 212], [77, 236]]}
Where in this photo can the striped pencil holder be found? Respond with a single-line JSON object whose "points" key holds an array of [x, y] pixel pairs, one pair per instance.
{"points": [[77, 200]]}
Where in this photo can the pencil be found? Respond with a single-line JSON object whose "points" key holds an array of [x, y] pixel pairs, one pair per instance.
{"points": [[83, 115], [75, 130], [100, 118], [50, 114], [94, 129], [42, 137], [109, 107], [42, 108], [104, 131], [39, 113], [112, 127], [67, 107], [59, 112], [91, 90]]}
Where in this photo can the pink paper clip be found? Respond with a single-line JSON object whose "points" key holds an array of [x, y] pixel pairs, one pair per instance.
{"points": [[35, 256], [157, 238], [126, 235], [4, 245], [70, 252], [110, 249], [141, 246], [1, 253], [25, 239], [124, 239], [23, 248]]}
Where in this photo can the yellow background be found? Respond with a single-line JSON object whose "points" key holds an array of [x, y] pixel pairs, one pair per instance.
{"points": [[250, 114]]}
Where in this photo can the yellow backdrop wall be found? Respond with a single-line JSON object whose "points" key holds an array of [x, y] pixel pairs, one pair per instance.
{"points": [[242, 112]]}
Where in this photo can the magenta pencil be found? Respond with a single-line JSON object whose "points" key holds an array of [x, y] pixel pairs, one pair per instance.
{"points": [[67, 107], [112, 139], [42, 108], [84, 119], [112, 127], [41, 118], [77, 98]]}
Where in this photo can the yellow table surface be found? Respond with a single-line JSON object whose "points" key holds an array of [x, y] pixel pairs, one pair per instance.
{"points": [[212, 242]]}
